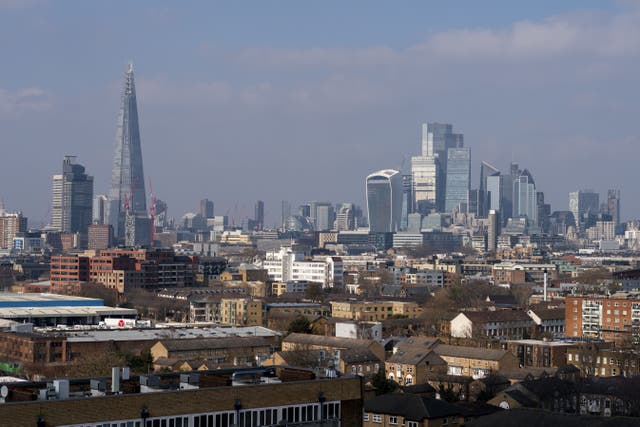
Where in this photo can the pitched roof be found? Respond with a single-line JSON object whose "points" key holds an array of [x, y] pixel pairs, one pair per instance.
{"points": [[549, 313], [497, 316], [470, 352], [410, 406], [413, 350]]}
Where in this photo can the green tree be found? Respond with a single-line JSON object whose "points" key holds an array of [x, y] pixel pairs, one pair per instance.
{"points": [[314, 293], [300, 325], [382, 384]]}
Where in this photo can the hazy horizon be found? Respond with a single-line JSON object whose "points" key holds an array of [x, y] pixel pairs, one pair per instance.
{"points": [[301, 101]]}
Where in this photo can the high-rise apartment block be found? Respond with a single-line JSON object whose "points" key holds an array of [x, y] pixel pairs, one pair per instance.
{"points": [[127, 197], [72, 198], [384, 200], [613, 318]]}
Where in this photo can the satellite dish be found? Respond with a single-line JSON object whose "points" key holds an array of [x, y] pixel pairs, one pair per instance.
{"points": [[4, 391]]}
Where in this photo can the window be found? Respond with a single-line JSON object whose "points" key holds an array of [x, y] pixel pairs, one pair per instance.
{"points": [[377, 418], [412, 424], [365, 417], [445, 421], [393, 419]]}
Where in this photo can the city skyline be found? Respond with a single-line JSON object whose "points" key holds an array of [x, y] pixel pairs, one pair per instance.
{"points": [[194, 110]]}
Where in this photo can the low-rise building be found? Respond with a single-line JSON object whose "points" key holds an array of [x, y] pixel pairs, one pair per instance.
{"points": [[296, 341], [475, 362], [409, 410], [413, 359], [509, 324], [539, 353], [375, 310]]}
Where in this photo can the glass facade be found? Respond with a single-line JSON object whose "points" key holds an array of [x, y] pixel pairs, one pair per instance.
{"points": [[384, 201], [127, 178], [458, 179]]}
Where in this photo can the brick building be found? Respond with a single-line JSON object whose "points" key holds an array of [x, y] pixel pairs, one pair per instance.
{"points": [[204, 400], [539, 354], [375, 310], [614, 318]]}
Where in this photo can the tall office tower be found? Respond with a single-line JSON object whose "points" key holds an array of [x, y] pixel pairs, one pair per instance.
{"points": [[72, 198], [384, 200], [285, 213], [259, 215], [323, 215], [458, 181], [127, 178], [10, 225], [206, 208], [473, 201], [345, 217], [100, 209], [486, 170], [613, 205], [437, 139], [426, 180], [407, 201], [544, 213], [525, 202], [583, 203], [493, 230], [305, 210]]}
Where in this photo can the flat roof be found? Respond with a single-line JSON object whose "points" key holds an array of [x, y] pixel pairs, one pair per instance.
{"points": [[14, 299], [544, 343], [161, 333], [64, 311]]}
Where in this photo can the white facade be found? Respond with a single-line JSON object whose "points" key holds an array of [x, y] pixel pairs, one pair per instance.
{"points": [[461, 327], [286, 265]]}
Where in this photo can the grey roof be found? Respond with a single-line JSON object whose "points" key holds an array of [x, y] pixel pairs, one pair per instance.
{"points": [[211, 343], [470, 352], [161, 333], [410, 406], [524, 417], [413, 350], [320, 340]]}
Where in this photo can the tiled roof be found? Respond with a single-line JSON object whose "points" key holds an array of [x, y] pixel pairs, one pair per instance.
{"points": [[410, 406], [470, 352]]}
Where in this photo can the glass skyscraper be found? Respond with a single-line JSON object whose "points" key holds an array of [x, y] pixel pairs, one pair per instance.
{"points": [[127, 179], [581, 203], [384, 200], [458, 179], [525, 198], [486, 170]]}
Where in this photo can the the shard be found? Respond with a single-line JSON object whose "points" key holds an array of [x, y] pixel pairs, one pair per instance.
{"points": [[127, 197]]}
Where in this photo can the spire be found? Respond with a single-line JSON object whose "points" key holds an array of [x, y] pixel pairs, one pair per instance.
{"points": [[127, 178]]}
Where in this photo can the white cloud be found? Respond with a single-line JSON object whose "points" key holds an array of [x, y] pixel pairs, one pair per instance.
{"points": [[563, 35], [15, 103]]}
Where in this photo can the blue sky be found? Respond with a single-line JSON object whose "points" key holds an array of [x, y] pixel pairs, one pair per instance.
{"points": [[301, 100]]}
